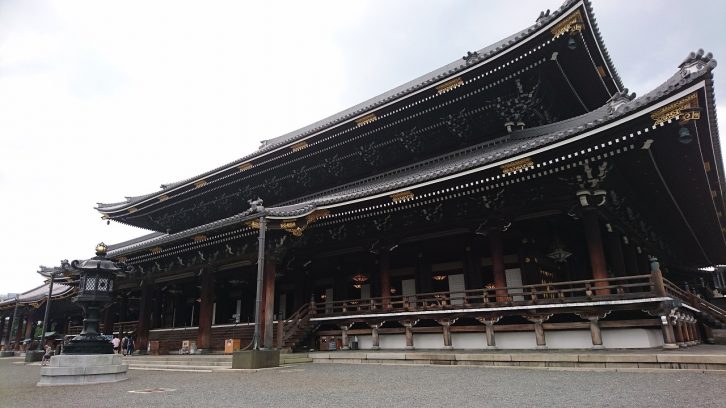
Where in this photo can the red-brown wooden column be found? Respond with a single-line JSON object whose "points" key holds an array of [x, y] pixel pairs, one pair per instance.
{"points": [[206, 306], [384, 271], [19, 332], [108, 318], [268, 304], [497, 250], [156, 309], [29, 325], [595, 248], [142, 329]]}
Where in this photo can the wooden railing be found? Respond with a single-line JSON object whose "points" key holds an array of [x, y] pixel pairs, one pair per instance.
{"points": [[118, 327], [289, 330], [704, 306], [622, 287]]}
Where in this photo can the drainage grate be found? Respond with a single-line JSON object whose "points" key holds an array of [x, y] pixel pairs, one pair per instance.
{"points": [[152, 390]]}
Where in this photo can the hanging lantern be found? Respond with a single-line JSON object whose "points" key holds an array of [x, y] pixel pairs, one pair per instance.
{"points": [[359, 279], [439, 277]]}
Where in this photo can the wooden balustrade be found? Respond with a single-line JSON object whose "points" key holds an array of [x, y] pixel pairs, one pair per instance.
{"points": [[622, 287], [706, 307]]}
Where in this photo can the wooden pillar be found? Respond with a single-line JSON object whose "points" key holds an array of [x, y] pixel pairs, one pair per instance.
{"points": [[384, 270], [29, 325], [497, 251], [680, 333], [657, 278], [206, 307], [374, 337], [595, 333], [489, 323], [156, 309], [595, 248], [268, 304], [142, 329], [615, 249], [539, 333], [19, 332], [408, 326], [344, 336], [446, 324], [669, 338]]}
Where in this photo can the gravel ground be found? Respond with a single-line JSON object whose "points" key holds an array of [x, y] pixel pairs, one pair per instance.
{"points": [[335, 385]]}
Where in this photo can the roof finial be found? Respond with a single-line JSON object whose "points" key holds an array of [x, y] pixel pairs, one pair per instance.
{"points": [[696, 61]]}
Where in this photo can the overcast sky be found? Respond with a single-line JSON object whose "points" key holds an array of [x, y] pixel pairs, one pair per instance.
{"points": [[100, 100]]}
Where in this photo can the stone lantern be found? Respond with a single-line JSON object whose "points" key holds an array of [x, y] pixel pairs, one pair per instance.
{"points": [[95, 288], [88, 358]]}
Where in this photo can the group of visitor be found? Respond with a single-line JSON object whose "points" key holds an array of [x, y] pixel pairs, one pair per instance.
{"points": [[125, 346]]}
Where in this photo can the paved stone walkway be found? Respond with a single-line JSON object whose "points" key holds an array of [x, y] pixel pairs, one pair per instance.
{"points": [[336, 385]]}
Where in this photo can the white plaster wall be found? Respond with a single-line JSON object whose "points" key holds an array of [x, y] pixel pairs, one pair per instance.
{"points": [[515, 340], [568, 339], [632, 338], [429, 341], [556, 339]]}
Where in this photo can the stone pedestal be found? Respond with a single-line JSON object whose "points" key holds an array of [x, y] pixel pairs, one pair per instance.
{"points": [[251, 359], [34, 355], [7, 353], [80, 369]]}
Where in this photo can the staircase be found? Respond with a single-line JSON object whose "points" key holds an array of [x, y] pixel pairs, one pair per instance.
{"points": [[293, 331]]}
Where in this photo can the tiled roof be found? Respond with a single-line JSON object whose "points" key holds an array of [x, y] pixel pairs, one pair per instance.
{"points": [[408, 88], [517, 142]]}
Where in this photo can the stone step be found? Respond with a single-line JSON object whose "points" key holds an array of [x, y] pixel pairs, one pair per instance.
{"points": [[654, 360], [175, 367], [131, 362], [180, 369]]}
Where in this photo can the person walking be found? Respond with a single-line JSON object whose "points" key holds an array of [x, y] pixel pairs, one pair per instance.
{"points": [[116, 344], [130, 346], [124, 344]]}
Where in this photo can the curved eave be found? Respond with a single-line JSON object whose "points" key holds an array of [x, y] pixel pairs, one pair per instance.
{"points": [[37, 296], [426, 82]]}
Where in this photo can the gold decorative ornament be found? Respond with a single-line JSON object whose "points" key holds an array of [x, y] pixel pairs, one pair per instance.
{"points": [[244, 167], [101, 248], [163, 198], [253, 224], [572, 23], [405, 195], [299, 146], [675, 109], [449, 85], [200, 183], [371, 117], [133, 210], [155, 250], [199, 237], [517, 165]]}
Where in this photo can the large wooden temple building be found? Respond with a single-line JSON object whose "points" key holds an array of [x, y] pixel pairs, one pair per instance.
{"points": [[519, 197]]}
